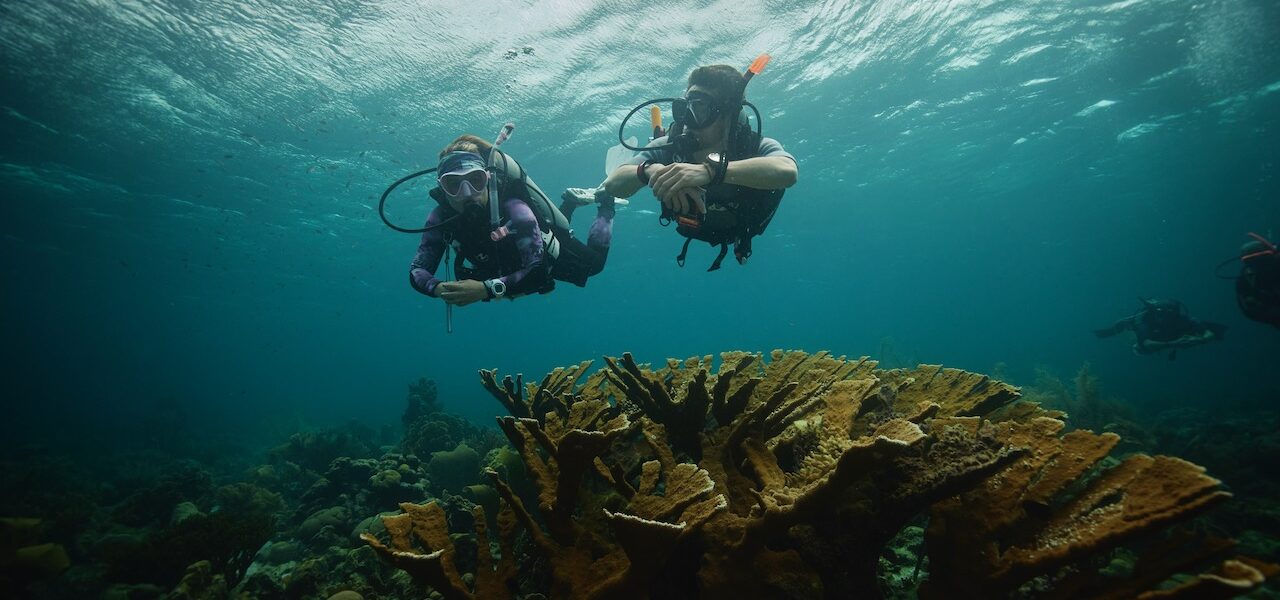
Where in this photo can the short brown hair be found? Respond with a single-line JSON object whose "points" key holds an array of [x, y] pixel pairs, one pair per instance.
{"points": [[467, 143], [724, 81]]}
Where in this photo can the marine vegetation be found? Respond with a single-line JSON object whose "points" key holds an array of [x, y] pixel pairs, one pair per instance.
{"points": [[788, 478], [1088, 408]]}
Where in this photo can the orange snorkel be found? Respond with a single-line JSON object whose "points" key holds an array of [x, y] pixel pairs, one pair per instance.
{"points": [[655, 120], [757, 65]]}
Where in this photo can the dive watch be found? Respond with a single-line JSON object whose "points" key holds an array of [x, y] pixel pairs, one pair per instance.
{"points": [[496, 288], [718, 168]]}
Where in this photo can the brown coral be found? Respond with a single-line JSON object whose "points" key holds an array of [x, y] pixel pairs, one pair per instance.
{"points": [[786, 478]]}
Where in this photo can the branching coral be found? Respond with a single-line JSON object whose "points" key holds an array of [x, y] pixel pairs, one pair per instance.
{"points": [[426, 525], [1039, 515], [786, 478]]}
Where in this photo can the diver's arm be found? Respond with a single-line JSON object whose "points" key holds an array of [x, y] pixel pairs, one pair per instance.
{"points": [[462, 292], [623, 182], [430, 249], [1121, 325], [762, 172]]}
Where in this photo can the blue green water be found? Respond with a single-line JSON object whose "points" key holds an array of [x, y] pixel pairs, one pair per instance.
{"points": [[189, 193]]}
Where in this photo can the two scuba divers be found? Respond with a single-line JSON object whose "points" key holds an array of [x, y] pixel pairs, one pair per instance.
{"points": [[718, 179], [509, 239]]}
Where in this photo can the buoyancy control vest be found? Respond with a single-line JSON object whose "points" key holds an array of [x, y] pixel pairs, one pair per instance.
{"points": [[735, 214]]}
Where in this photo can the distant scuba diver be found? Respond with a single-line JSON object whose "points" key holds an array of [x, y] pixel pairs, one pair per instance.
{"points": [[1164, 325], [510, 239], [720, 181], [1258, 286]]}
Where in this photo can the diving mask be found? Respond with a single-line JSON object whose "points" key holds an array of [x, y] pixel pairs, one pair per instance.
{"points": [[464, 184], [700, 109]]}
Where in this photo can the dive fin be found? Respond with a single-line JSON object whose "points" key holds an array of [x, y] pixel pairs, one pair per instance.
{"points": [[618, 156]]}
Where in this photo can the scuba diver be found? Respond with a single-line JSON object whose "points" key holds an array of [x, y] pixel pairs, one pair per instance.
{"points": [[1258, 286], [1164, 325], [510, 240], [718, 179]]}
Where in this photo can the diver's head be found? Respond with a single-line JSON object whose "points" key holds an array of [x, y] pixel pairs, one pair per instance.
{"points": [[714, 95], [1163, 308], [462, 174]]}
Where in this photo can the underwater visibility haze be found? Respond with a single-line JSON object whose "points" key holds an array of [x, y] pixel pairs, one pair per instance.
{"points": [[190, 235]]}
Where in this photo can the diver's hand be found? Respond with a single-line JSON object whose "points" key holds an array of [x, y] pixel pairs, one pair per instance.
{"points": [[461, 293], [677, 184], [666, 178], [685, 201]]}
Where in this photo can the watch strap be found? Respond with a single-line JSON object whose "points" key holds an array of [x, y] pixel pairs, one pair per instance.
{"points": [[718, 170], [640, 174]]}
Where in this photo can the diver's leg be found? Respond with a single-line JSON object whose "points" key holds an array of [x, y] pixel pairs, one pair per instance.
{"points": [[600, 236]]}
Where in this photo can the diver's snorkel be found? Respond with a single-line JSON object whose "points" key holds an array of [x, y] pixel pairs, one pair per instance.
{"points": [[681, 142], [655, 121], [496, 230]]}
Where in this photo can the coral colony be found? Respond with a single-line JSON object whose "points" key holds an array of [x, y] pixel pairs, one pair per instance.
{"points": [[788, 479]]}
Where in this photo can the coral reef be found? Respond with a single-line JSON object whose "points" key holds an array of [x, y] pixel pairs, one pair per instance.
{"points": [[440, 457], [428, 429], [314, 450], [454, 469], [1240, 445], [226, 539], [135, 521], [788, 478], [153, 504]]}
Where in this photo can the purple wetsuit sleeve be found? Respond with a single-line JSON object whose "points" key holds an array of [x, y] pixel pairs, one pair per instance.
{"points": [[523, 226], [430, 249]]}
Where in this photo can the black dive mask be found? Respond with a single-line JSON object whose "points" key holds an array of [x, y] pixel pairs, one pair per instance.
{"points": [[700, 109]]}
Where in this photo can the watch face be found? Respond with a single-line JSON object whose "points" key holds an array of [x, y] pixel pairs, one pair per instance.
{"points": [[714, 157]]}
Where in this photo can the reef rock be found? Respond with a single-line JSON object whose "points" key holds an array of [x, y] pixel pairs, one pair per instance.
{"points": [[454, 469]]}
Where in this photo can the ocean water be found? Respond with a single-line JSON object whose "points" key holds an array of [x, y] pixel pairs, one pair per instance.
{"points": [[189, 194]]}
